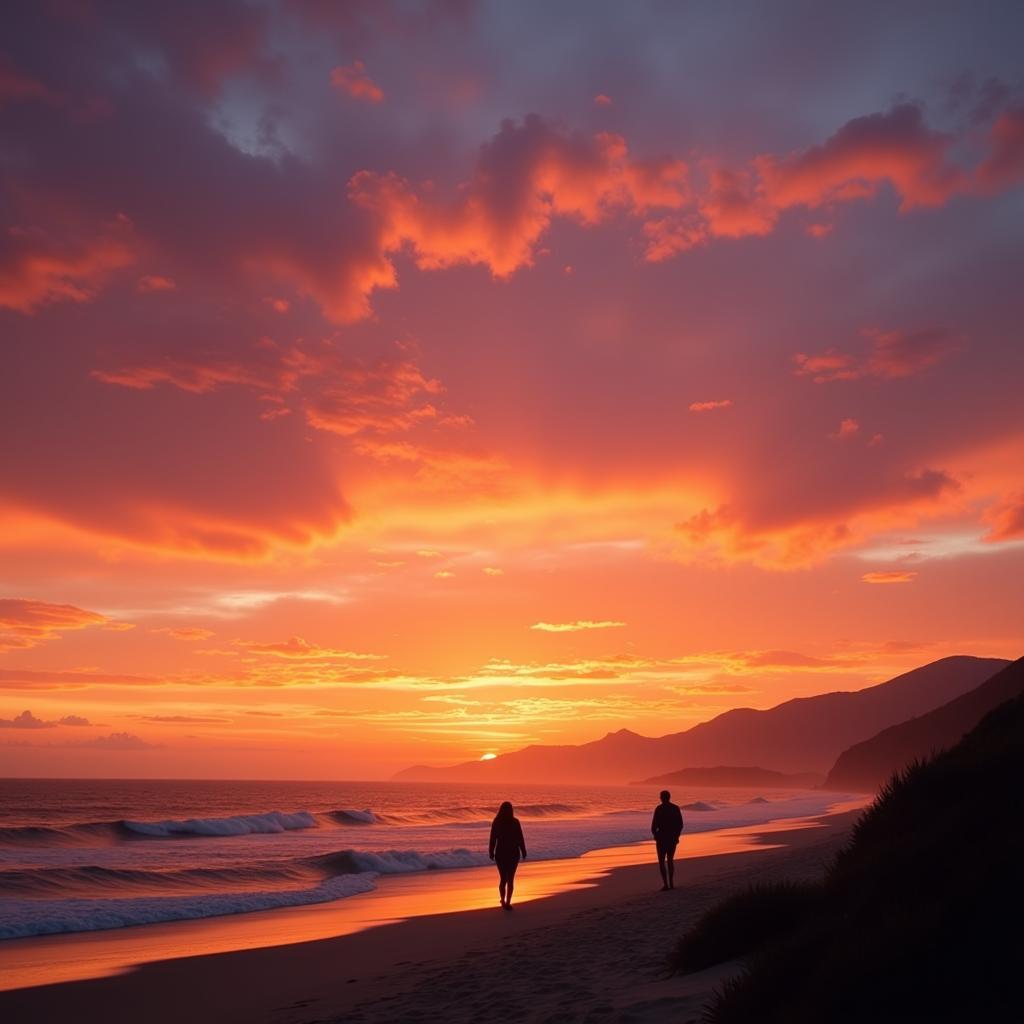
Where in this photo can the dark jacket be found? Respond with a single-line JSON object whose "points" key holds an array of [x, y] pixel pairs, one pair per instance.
{"points": [[506, 839], [667, 823]]}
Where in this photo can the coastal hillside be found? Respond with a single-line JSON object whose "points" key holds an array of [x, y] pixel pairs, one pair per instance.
{"points": [[867, 765], [918, 919], [726, 776], [802, 735]]}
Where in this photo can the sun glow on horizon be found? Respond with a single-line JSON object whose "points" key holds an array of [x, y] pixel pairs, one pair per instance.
{"points": [[488, 757]]}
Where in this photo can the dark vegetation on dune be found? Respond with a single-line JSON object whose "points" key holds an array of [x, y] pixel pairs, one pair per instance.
{"points": [[919, 918], [744, 922]]}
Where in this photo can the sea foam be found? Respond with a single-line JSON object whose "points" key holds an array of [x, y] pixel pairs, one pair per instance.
{"points": [[239, 825], [20, 918]]}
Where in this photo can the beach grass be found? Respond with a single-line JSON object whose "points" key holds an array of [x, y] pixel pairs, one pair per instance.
{"points": [[744, 922]]}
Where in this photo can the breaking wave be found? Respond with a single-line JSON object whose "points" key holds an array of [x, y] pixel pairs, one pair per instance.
{"points": [[239, 825], [268, 823], [106, 832], [46, 901], [20, 918], [351, 817]]}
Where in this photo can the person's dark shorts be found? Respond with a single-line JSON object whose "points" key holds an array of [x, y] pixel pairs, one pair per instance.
{"points": [[667, 846], [507, 865]]}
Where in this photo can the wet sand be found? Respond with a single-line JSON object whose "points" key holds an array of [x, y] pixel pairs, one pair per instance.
{"points": [[587, 940]]}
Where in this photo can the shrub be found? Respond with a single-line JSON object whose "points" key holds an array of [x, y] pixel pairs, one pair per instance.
{"points": [[918, 918], [743, 923]]}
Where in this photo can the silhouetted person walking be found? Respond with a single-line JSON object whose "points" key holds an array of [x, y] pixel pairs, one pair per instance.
{"points": [[666, 827], [506, 845]]}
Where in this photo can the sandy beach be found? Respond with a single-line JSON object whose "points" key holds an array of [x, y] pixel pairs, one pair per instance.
{"points": [[586, 941]]}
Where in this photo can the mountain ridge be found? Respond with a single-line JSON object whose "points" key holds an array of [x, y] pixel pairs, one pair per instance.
{"points": [[804, 734], [734, 775], [868, 764]]}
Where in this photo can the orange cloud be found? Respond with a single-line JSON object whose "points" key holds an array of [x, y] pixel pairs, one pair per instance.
{"points": [[437, 471], [26, 623], [185, 632], [337, 394], [735, 205], [194, 375], [721, 535], [897, 354], [668, 236], [183, 719], [365, 400], [600, 100], [827, 366], [1006, 520], [384, 398], [725, 403], [889, 577], [155, 283], [356, 83], [891, 356], [789, 659], [36, 269], [119, 741], [660, 183], [580, 625], [529, 173], [26, 720], [1005, 164], [847, 429], [798, 539], [40, 679], [296, 647], [340, 283], [896, 147]]}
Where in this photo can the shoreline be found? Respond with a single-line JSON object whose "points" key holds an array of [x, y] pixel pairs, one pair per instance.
{"points": [[314, 962]]}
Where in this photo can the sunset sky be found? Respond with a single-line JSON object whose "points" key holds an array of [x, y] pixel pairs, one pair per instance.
{"points": [[393, 383]]}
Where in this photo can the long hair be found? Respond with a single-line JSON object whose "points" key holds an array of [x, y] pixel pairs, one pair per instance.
{"points": [[504, 812]]}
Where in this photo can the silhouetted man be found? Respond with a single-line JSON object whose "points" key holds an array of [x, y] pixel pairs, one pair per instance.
{"points": [[666, 827]]}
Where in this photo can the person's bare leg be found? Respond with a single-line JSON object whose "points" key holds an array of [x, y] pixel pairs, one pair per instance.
{"points": [[670, 858], [508, 897], [501, 891], [661, 868]]}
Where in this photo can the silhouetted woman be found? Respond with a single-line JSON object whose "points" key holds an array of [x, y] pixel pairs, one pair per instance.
{"points": [[505, 847]]}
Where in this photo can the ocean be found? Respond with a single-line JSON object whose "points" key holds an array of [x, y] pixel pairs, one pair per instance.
{"points": [[85, 855]]}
